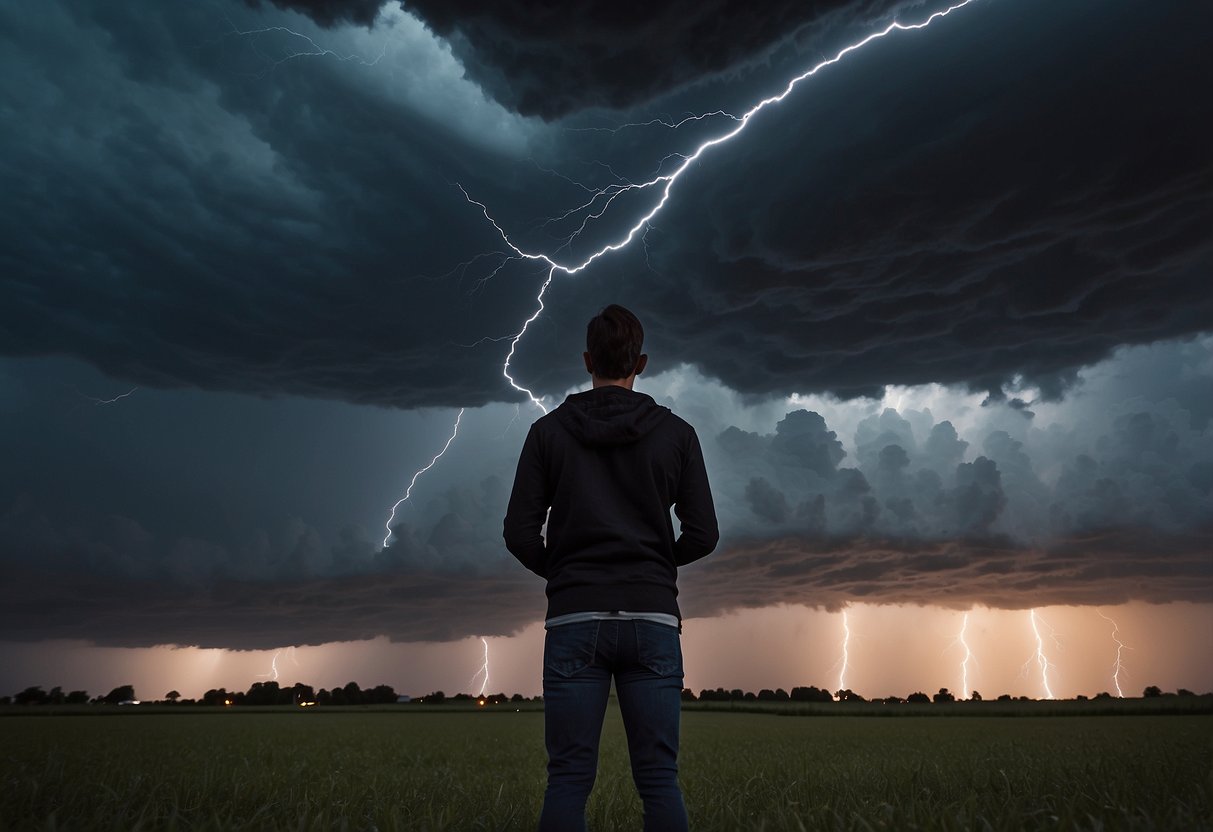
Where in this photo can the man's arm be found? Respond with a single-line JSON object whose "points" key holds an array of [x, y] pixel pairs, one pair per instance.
{"points": [[528, 508], [694, 509]]}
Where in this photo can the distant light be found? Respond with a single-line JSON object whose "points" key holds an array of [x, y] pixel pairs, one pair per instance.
{"points": [[306, 704], [227, 702], [481, 703]]}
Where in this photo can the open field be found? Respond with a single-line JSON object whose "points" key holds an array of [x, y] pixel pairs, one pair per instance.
{"points": [[438, 769]]}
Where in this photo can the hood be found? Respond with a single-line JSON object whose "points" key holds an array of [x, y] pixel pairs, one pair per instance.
{"points": [[610, 415]]}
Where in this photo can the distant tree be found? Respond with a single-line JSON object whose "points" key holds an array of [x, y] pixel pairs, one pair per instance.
{"points": [[1184, 692], [55, 696], [976, 697], [384, 695], [943, 696], [1103, 695], [1151, 692], [917, 697], [737, 694], [749, 696], [1080, 698], [353, 693], [810, 694], [216, 696], [324, 697], [781, 695], [303, 693], [1004, 697], [766, 695], [848, 695], [263, 693], [435, 698], [892, 700], [518, 697], [77, 697], [172, 696], [122, 693], [688, 695], [6, 700], [33, 695]]}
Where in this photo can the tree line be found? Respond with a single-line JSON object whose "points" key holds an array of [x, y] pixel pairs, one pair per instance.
{"points": [[816, 694], [271, 693]]}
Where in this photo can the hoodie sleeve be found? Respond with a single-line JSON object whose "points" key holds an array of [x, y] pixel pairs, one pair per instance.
{"points": [[528, 508], [694, 509]]}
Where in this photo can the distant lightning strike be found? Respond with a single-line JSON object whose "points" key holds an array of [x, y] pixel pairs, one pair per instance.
{"points": [[964, 665], [1040, 658], [273, 674], [846, 655], [1117, 666], [483, 672], [408, 492]]}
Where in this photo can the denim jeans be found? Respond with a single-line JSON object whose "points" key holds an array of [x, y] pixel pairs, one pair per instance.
{"points": [[579, 661]]}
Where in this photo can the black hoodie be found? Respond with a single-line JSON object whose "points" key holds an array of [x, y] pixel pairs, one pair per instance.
{"points": [[610, 463]]}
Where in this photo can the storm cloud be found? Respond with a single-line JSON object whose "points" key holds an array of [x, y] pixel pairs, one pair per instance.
{"points": [[237, 216], [1098, 499]]}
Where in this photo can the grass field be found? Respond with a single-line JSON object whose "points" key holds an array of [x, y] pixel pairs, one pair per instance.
{"points": [[458, 770]]}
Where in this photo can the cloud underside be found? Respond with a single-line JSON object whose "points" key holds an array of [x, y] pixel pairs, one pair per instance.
{"points": [[575, 56], [941, 210], [1108, 568]]}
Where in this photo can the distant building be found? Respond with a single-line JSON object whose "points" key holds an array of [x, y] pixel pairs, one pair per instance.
{"points": [[402, 698]]}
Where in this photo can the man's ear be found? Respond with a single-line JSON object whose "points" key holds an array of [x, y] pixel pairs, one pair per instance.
{"points": [[641, 363], [589, 365]]}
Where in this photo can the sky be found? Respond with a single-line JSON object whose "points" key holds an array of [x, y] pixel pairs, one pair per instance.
{"points": [[940, 316]]}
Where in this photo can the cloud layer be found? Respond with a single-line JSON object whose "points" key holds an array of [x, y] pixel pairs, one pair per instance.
{"points": [[1098, 499], [198, 203]]}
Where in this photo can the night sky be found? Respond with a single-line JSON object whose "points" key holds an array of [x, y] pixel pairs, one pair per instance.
{"points": [[942, 318]]}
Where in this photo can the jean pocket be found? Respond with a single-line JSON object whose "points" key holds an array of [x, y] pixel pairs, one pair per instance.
{"points": [[659, 648], [570, 648]]}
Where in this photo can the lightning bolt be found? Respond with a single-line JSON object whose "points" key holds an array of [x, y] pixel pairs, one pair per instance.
{"points": [[964, 665], [663, 184], [1117, 666], [95, 400], [408, 492], [483, 671], [273, 674], [846, 655], [1041, 660], [310, 49]]}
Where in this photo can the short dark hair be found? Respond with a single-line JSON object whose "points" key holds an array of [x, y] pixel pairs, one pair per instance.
{"points": [[614, 338]]}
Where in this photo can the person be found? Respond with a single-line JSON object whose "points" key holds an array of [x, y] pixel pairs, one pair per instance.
{"points": [[603, 470]]}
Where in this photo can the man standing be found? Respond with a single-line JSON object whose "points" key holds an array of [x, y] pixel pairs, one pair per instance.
{"points": [[603, 470]]}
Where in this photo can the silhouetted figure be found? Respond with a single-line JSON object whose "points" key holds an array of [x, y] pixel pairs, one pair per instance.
{"points": [[603, 470]]}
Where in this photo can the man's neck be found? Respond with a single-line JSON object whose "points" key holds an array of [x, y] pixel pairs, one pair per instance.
{"points": [[625, 383]]}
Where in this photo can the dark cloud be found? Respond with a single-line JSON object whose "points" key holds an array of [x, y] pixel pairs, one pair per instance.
{"points": [[1110, 502], [196, 212], [603, 54], [1113, 566], [331, 12], [555, 60]]}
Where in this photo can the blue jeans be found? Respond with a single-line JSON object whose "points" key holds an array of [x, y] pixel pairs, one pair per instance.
{"points": [[579, 661]]}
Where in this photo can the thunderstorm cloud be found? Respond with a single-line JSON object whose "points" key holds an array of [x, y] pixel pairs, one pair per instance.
{"points": [[941, 317]]}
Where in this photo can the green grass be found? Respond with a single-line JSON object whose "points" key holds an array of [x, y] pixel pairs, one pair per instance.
{"points": [[457, 770]]}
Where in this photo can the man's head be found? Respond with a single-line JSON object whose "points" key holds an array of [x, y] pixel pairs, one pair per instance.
{"points": [[613, 340]]}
